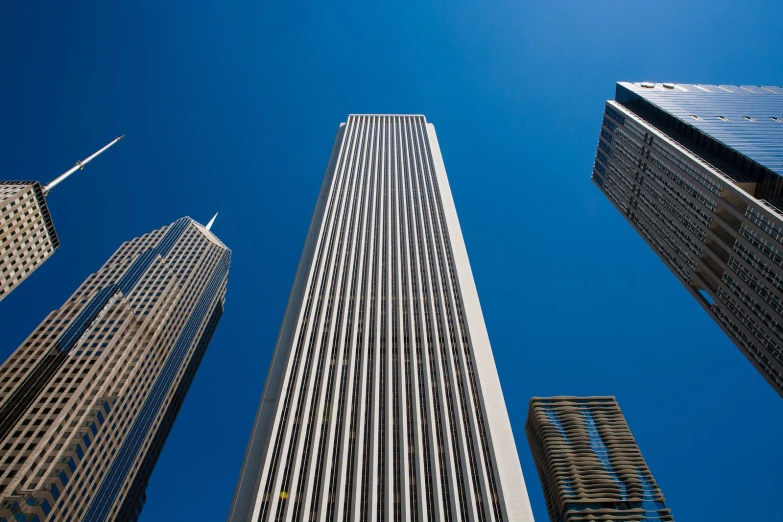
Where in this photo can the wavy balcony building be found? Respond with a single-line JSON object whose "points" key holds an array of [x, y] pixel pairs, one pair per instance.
{"points": [[698, 172], [382, 401], [589, 464], [87, 401]]}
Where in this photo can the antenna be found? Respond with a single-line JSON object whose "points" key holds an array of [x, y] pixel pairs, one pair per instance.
{"points": [[79, 166], [209, 225]]}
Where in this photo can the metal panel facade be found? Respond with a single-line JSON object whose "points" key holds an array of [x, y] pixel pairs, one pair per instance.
{"points": [[697, 205], [748, 118], [87, 401], [382, 401]]}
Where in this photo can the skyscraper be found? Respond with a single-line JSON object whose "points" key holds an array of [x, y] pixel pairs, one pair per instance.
{"points": [[87, 401], [589, 464], [27, 235], [382, 401], [698, 171]]}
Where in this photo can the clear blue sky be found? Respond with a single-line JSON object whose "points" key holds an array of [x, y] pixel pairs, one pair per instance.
{"points": [[233, 106]]}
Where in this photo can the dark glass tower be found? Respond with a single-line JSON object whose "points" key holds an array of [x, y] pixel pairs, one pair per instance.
{"points": [[87, 401], [698, 171], [589, 464]]}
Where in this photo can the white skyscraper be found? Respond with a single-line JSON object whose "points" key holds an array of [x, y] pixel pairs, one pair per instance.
{"points": [[382, 401]]}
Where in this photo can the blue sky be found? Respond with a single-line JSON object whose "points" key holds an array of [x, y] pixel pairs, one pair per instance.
{"points": [[235, 107]]}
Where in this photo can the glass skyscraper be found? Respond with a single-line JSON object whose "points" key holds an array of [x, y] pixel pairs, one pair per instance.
{"points": [[87, 401], [698, 171], [589, 464], [382, 401]]}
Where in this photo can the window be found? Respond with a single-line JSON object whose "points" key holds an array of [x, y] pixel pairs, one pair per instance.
{"points": [[748, 118], [722, 118], [695, 117], [773, 118]]}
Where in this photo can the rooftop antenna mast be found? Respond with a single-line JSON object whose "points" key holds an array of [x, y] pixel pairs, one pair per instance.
{"points": [[211, 221], [79, 166]]}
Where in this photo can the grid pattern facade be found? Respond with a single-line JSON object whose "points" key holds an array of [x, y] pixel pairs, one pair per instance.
{"points": [[589, 464], [712, 215], [27, 236], [382, 402], [87, 401]]}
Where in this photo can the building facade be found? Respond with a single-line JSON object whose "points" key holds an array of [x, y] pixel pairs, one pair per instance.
{"points": [[27, 236], [87, 401], [589, 464], [698, 172], [382, 401]]}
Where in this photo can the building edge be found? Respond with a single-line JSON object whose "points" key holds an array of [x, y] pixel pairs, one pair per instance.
{"points": [[245, 506], [516, 502]]}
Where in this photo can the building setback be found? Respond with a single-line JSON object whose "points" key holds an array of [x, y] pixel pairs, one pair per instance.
{"points": [[87, 401], [589, 464], [698, 171], [382, 401], [27, 235]]}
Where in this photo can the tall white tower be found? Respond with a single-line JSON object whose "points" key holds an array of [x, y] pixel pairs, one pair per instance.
{"points": [[382, 401]]}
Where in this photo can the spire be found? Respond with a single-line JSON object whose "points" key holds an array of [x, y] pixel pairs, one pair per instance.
{"points": [[79, 166], [209, 225]]}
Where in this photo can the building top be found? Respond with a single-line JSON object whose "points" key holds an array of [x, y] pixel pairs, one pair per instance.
{"points": [[387, 115], [680, 88], [40, 198], [572, 398], [745, 118], [575, 397], [589, 463], [207, 232]]}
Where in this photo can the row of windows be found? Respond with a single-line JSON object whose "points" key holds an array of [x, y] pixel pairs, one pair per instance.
{"points": [[684, 164], [769, 225]]}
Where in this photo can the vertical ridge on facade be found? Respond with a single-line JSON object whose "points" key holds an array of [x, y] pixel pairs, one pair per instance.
{"points": [[372, 408]]}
